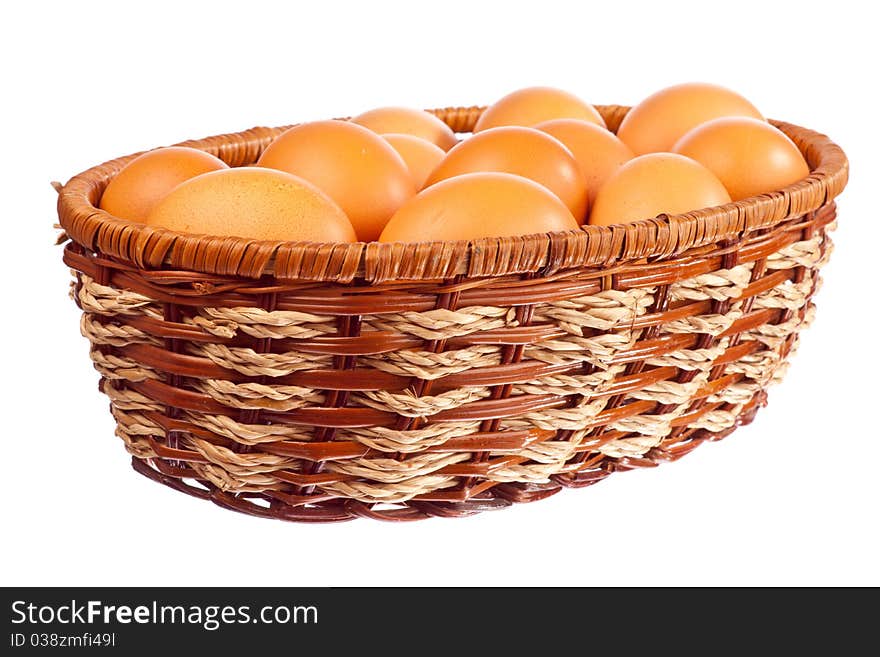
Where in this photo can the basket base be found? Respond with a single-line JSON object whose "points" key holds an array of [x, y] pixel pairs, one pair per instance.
{"points": [[498, 497]]}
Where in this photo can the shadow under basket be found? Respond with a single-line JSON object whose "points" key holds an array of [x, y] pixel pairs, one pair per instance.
{"points": [[325, 382]]}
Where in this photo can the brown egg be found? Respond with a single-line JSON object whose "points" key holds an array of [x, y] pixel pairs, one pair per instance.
{"points": [[143, 182], [254, 203], [353, 165], [655, 184], [408, 121], [749, 156], [478, 205], [522, 151], [660, 120], [535, 105], [421, 156], [597, 151]]}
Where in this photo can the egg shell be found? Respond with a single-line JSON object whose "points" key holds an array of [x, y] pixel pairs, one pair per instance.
{"points": [[353, 165], [420, 155], [408, 121], [133, 192], [749, 156], [478, 205], [533, 105], [653, 184], [599, 153], [522, 151], [660, 120], [254, 203]]}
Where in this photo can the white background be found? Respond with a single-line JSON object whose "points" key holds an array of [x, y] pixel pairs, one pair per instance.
{"points": [[791, 499]]}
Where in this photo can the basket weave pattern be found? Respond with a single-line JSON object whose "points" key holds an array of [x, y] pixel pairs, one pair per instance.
{"points": [[328, 382]]}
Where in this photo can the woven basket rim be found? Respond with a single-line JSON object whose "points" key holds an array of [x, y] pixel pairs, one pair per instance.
{"points": [[543, 253]]}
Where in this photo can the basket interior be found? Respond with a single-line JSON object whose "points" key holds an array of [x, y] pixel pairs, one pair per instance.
{"points": [[653, 238]]}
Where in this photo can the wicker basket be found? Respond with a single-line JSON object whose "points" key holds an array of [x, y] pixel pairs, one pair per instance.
{"points": [[323, 382]]}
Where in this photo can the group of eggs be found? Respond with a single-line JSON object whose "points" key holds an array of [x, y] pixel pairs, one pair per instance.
{"points": [[540, 160]]}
